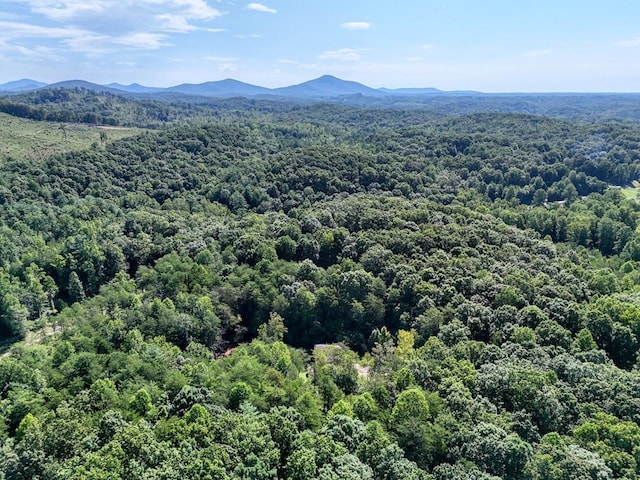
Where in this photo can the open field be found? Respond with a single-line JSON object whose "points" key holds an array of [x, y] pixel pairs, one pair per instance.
{"points": [[31, 139], [632, 192]]}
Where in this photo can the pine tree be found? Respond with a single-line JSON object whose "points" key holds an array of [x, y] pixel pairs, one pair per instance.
{"points": [[75, 289]]}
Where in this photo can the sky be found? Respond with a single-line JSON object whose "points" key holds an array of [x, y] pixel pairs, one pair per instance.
{"points": [[485, 45]]}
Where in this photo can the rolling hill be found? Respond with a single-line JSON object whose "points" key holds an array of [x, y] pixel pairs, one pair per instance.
{"points": [[22, 85]]}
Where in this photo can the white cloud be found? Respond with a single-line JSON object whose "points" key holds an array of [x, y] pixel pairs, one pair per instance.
{"points": [[175, 23], [248, 35], [35, 53], [78, 40], [101, 27], [538, 53], [258, 7], [286, 61], [221, 59], [197, 8], [634, 42], [144, 24], [426, 46], [227, 67], [147, 41], [341, 55], [89, 44], [357, 25], [69, 10], [224, 64], [13, 30]]}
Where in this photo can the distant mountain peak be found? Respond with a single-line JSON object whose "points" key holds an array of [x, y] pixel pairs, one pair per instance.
{"points": [[22, 85], [94, 87], [134, 88], [329, 77], [228, 87], [326, 86]]}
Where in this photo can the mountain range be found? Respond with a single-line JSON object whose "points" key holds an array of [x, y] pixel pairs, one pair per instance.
{"points": [[326, 86]]}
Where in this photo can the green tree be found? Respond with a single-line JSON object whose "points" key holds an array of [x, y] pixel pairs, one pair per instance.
{"points": [[141, 403], [13, 316], [411, 404], [75, 288]]}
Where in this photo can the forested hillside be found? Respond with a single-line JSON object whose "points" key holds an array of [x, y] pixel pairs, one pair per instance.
{"points": [[279, 291]]}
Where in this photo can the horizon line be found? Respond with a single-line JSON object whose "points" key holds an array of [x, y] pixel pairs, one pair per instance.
{"points": [[391, 89]]}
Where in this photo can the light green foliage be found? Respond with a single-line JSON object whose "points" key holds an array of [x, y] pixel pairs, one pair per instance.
{"points": [[523, 335], [274, 330], [404, 346], [365, 407], [301, 465], [341, 407], [616, 441], [22, 138], [141, 402], [411, 405], [310, 408], [584, 341], [28, 423], [104, 395]]}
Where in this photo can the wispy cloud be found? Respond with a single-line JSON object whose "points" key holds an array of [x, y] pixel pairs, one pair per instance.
{"points": [[31, 53], [143, 40], [175, 23], [221, 59], [248, 35], [341, 55], [634, 42], [357, 25], [258, 7], [79, 40], [12, 30], [224, 64], [426, 46], [65, 10], [89, 44], [179, 24], [101, 26], [287, 61], [538, 53]]}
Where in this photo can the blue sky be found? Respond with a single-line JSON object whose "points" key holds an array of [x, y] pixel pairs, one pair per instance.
{"points": [[487, 45]]}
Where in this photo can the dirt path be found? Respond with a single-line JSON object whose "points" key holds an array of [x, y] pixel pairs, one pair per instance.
{"points": [[34, 337], [362, 370]]}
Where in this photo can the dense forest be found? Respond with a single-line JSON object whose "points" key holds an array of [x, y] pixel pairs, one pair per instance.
{"points": [[267, 290]]}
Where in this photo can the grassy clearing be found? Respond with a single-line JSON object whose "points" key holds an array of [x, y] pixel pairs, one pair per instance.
{"points": [[22, 138], [632, 192]]}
